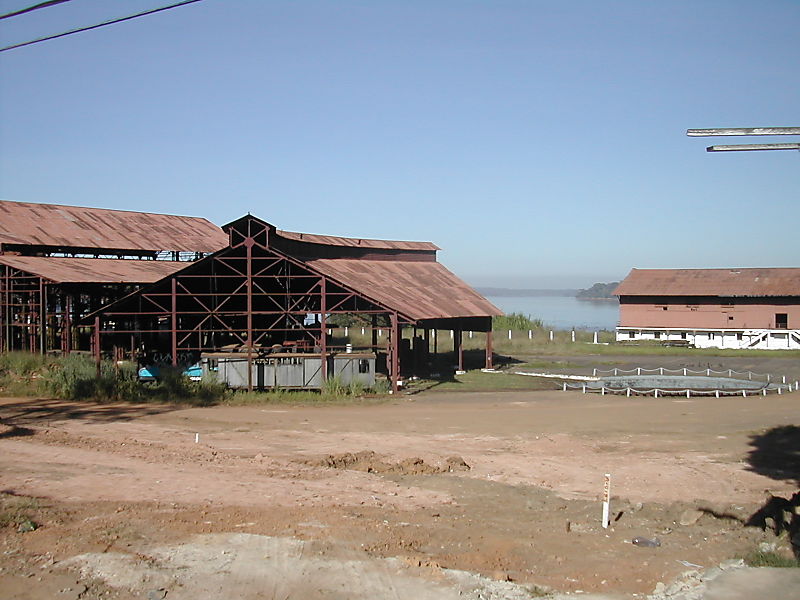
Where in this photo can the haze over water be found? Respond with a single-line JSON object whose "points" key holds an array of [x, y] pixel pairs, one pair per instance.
{"points": [[562, 312]]}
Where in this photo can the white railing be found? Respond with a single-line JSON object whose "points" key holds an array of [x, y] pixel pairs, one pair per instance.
{"points": [[686, 371], [656, 392]]}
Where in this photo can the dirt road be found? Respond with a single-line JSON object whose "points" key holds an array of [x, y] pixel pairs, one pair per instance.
{"points": [[407, 495]]}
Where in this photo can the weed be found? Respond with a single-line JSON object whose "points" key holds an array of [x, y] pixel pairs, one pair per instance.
{"points": [[17, 510], [761, 558]]}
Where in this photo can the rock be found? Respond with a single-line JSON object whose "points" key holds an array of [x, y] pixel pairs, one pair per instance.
{"points": [[158, 594], [733, 563], [690, 516], [26, 526], [456, 463], [767, 547]]}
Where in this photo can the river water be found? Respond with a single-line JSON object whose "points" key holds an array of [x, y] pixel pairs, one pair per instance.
{"points": [[562, 312]]}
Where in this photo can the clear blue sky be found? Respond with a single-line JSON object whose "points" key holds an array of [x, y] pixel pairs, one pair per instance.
{"points": [[540, 144]]}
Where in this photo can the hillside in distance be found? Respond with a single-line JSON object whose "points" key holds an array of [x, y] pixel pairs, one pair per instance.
{"points": [[599, 291]]}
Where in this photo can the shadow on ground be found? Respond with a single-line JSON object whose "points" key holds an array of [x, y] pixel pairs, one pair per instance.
{"points": [[775, 453], [19, 413]]}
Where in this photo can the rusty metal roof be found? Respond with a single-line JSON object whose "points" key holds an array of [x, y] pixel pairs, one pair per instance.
{"points": [[331, 240], [711, 282], [80, 227], [417, 289], [93, 270]]}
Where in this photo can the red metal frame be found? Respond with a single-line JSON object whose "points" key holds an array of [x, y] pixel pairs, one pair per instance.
{"points": [[251, 295]]}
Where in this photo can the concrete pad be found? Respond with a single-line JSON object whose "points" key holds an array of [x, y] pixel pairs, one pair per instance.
{"points": [[755, 584]]}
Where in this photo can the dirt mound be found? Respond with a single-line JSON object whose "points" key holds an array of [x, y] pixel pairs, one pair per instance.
{"points": [[370, 462]]}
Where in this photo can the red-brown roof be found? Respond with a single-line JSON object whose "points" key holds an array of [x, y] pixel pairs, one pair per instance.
{"points": [[711, 282], [81, 227], [93, 270], [331, 240], [418, 290]]}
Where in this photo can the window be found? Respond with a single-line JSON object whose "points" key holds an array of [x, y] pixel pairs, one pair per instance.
{"points": [[363, 365], [663, 308], [631, 334], [781, 321], [710, 336], [730, 317], [739, 336], [683, 335], [658, 335]]}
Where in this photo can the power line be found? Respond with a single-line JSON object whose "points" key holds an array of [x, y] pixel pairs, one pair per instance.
{"points": [[22, 11], [97, 26]]}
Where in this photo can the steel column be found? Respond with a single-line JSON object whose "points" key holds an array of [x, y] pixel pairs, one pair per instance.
{"points": [[42, 316], [394, 352], [458, 348], [323, 334], [249, 245], [489, 350], [97, 355], [174, 322], [68, 323]]}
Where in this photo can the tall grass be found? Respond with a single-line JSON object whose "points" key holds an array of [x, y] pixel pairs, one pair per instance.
{"points": [[516, 321], [75, 377]]}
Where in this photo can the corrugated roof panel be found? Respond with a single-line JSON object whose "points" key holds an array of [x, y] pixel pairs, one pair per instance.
{"points": [[419, 290], [711, 282], [332, 240], [75, 226], [93, 270]]}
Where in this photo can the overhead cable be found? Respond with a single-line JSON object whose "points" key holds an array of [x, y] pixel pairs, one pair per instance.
{"points": [[22, 11], [98, 25]]}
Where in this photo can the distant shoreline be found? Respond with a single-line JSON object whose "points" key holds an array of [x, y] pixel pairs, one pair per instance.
{"points": [[602, 299], [525, 293]]}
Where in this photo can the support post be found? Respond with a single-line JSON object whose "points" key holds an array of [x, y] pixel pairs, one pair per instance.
{"points": [[375, 333], [174, 322], [458, 349], [249, 245], [394, 343], [97, 355], [42, 317], [68, 323], [323, 332], [3, 304], [489, 350]]}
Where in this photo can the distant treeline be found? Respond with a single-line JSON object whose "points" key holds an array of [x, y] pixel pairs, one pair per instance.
{"points": [[599, 290]]}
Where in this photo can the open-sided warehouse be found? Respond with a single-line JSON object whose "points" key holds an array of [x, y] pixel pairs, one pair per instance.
{"points": [[179, 289]]}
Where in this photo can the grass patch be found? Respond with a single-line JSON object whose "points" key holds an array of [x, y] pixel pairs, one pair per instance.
{"points": [[760, 558], [299, 398], [17, 510], [478, 381], [548, 364]]}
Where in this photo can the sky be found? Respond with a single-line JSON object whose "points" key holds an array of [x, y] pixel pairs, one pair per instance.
{"points": [[538, 143]]}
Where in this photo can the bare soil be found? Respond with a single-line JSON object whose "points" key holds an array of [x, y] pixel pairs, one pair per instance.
{"points": [[403, 496]]}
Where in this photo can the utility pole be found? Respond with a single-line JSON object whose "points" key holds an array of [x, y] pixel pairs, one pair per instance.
{"points": [[727, 131]]}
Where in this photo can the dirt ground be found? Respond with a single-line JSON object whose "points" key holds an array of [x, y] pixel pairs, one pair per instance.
{"points": [[435, 495]]}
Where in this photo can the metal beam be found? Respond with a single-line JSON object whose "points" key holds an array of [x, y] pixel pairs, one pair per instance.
{"points": [[743, 131], [743, 147]]}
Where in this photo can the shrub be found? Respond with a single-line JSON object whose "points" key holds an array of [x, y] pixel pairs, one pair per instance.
{"points": [[517, 322], [74, 377]]}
